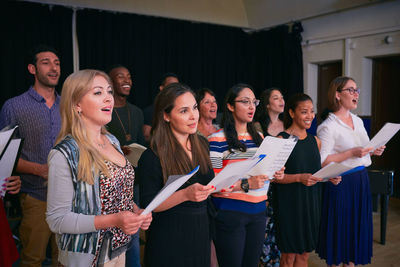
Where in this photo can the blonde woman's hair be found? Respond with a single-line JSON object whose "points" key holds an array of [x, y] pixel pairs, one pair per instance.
{"points": [[73, 90]]}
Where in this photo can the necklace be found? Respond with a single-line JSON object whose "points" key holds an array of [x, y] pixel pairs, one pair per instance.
{"points": [[243, 136], [128, 136], [102, 145]]}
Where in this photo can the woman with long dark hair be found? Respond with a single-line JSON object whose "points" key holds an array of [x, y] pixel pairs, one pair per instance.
{"points": [[269, 114], [346, 223], [240, 221], [269, 121], [297, 197], [179, 235]]}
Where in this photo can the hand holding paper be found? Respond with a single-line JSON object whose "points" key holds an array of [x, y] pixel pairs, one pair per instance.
{"points": [[197, 192], [332, 170], [173, 183], [233, 172], [308, 179]]}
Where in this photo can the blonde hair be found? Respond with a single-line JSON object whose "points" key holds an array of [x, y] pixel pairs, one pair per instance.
{"points": [[75, 87]]}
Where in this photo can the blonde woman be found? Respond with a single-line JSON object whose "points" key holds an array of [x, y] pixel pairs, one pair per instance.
{"points": [[90, 193]]}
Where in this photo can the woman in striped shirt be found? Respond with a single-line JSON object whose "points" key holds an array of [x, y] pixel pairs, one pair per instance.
{"points": [[240, 223]]}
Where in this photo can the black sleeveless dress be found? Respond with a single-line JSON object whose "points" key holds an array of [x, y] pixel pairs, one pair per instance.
{"points": [[297, 208]]}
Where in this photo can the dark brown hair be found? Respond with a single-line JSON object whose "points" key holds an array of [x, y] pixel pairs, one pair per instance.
{"points": [[172, 155], [228, 121], [292, 104]]}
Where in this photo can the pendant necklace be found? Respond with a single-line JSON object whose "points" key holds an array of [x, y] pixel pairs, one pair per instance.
{"points": [[128, 136], [243, 136]]}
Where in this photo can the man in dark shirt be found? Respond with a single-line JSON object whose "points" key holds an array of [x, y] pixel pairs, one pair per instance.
{"points": [[126, 125], [166, 79], [127, 119], [36, 112]]}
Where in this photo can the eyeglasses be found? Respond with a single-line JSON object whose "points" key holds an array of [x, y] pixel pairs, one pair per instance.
{"points": [[351, 90], [248, 102], [209, 102]]}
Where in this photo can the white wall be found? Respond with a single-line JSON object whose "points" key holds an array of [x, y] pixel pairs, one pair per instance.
{"points": [[225, 12], [353, 36]]}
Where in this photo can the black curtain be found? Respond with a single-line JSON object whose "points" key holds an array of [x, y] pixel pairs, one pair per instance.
{"points": [[202, 55], [24, 25]]}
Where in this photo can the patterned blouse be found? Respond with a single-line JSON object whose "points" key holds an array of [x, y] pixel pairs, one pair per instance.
{"points": [[116, 194]]}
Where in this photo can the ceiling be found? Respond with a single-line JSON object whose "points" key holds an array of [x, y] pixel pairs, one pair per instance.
{"points": [[251, 14]]}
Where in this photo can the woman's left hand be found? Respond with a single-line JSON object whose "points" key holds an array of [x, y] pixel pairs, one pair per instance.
{"points": [[378, 151], [279, 174], [336, 180], [146, 221], [13, 184]]}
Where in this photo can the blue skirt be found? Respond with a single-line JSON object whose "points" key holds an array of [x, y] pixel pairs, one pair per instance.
{"points": [[346, 221]]}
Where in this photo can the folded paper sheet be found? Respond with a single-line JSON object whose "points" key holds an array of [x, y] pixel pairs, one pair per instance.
{"points": [[332, 170], [5, 138], [384, 135], [7, 162], [234, 171], [136, 152], [277, 152], [173, 183]]}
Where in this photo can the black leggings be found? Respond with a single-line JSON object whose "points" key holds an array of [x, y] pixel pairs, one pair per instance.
{"points": [[239, 238]]}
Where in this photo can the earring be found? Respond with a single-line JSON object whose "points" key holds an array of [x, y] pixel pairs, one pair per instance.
{"points": [[79, 113]]}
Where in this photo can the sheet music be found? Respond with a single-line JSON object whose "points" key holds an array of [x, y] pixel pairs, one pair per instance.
{"points": [[384, 135], [277, 151], [332, 170], [136, 152], [5, 136], [169, 188], [234, 171], [8, 161]]}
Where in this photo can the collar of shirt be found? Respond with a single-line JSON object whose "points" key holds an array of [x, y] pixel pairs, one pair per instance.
{"points": [[32, 92]]}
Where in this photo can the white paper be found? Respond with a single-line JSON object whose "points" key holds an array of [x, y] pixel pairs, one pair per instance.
{"points": [[5, 136], [7, 162], [169, 188], [233, 172], [332, 170], [277, 152], [136, 152], [384, 135]]}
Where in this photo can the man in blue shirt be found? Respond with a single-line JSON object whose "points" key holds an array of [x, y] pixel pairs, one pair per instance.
{"points": [[36, 112]]}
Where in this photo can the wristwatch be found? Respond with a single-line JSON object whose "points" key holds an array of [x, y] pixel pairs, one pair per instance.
{"points": [[245, 185]]}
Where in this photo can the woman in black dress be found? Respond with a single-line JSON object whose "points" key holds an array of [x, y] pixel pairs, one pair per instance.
{"points": [[297, 197], [179, 235]]}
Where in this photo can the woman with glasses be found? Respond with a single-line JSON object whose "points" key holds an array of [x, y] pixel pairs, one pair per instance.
{"points": [[240, 221], [208, 108], [346, 223], [269, 121]]}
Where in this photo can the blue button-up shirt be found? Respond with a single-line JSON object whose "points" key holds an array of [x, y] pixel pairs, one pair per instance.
{"points": [[39, 126]]}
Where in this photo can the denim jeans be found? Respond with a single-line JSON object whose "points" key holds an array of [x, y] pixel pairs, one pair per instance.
{"points": [[133, 253]]}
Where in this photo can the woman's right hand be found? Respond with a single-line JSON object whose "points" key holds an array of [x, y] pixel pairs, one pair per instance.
{"points": [[197, 192], [308, 180], [360, 152], [128, 221], [257, 181]]}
